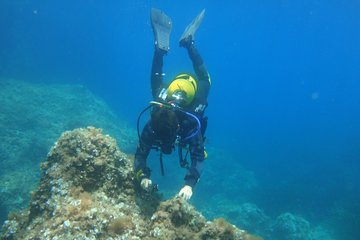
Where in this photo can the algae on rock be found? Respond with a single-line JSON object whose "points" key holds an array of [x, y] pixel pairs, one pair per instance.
{"points": [[87, 192]]}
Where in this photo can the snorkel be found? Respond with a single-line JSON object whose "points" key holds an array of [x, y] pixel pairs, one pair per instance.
{"points": [[173, 107]]}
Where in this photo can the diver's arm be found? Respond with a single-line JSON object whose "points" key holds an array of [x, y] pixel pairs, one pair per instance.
{"points": [[197, 160], [142, 152], [156, 71]]}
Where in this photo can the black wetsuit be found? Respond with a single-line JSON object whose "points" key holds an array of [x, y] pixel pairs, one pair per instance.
{"points": [[187, 123]]}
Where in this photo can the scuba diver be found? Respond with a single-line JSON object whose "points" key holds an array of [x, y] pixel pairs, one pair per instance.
{"points": [[177, 111]]}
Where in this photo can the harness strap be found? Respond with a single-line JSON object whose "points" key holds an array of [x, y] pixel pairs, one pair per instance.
{"points": [[161, 164], [183, 161]]}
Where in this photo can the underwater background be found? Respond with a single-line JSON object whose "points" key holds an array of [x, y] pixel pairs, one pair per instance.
{"points": [[284, 121]]}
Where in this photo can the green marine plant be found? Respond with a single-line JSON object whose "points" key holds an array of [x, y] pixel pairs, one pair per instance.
{"points": [[86, 200], [228, 230], [120, 225], [252, 237], [78, 211]]}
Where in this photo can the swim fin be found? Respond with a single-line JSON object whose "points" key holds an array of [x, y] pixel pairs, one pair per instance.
{"points": [[161, 25], [193, 26]]}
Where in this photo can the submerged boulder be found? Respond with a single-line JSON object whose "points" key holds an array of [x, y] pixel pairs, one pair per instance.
{"points": [[290, 226], [87, 192]]}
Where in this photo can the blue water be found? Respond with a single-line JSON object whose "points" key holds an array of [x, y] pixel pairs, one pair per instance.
{"points": [[285, 82]]}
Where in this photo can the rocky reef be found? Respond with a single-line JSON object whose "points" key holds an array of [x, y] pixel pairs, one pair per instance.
{"points": [[87, 191]]}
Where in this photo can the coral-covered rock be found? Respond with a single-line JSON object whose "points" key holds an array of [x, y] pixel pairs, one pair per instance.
{"points": [[251, 217], [87, 192], [289, 226]]}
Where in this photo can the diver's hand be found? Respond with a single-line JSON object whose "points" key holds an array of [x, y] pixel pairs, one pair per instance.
{"points": [[186, 192], [146, 184]]}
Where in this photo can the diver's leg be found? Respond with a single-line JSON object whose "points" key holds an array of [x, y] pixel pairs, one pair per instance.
{"points": [[157, 71], [197, 61]]}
